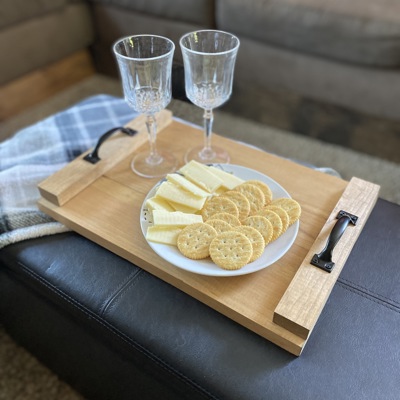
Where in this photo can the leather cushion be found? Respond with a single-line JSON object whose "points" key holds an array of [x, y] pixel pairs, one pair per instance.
{"points": [[353, 350]]}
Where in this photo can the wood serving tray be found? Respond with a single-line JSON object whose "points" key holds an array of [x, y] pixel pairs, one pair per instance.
{"points": [[281, 303]]}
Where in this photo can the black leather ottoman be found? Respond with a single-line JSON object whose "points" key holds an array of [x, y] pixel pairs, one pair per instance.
{"points": [[113, 331]]}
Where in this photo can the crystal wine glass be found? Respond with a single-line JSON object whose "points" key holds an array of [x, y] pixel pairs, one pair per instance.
{"points": [[209, 59], [145, 64]]}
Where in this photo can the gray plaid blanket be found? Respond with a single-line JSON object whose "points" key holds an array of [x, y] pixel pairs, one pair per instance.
{"points": [[38, 151]]}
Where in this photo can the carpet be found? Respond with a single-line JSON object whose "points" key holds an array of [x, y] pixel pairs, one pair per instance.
{"points": [[22, 377]]}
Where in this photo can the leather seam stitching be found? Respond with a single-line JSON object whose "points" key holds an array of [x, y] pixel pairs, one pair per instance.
{"points": [[370, 292], [131, 283], [182, 377], [121, 287], [369, 297]]}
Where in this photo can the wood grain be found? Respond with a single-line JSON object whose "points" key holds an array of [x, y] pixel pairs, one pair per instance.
{"points": [[108, 212], [66, 183], [303, 301]]}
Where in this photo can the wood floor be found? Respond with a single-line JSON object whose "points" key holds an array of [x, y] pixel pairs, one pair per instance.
{"points": [[39, 85]]}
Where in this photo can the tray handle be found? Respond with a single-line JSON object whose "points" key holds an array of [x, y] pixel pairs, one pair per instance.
{"points": [[323, 259], [93, 157]]}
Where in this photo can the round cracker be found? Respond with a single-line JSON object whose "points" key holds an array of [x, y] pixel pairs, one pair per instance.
{"points": [[262, 225], [264, 188], [219, 225], [284, 216], [241, 201], [291, 206], [231, 250], [254, 194], [218, 204], [275, 220], [194, 240], [256, 239], [229, 218]]}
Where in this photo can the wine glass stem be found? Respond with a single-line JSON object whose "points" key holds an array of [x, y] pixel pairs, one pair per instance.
{"points": [[154, 158], [208, 123]]}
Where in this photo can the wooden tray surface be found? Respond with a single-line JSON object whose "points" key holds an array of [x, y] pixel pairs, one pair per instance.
{"points": [[281, 303]]}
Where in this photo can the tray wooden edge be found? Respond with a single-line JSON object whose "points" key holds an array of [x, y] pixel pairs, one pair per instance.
{"points": [[66, 183], [304, 299]]}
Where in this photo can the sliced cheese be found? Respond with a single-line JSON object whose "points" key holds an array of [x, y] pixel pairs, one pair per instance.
{"points": [[182, 208], [230, 181], [176, 194], [175, 218], [158, 203], [162, 234], [201, 175], [184, 183]]}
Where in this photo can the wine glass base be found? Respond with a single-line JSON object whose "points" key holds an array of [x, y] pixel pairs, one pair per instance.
{"points": [[166, 164], [217, 155]]}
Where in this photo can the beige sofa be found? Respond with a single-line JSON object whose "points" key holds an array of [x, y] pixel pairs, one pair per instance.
{"points": [[335, 52], [36, 33], [339, 52]]}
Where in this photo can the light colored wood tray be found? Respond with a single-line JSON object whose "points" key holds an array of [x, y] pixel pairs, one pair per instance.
{"points": [[282, 303]]}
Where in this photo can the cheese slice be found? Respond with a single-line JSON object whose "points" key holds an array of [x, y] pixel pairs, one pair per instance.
{"points": [[175, 218], [158, 203], [163, 234], [230, 181], [201, 175], [221, 190], [184, 183], [182, 208], [176, 194]]}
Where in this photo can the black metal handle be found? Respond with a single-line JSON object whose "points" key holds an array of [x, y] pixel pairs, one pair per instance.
{"points": [[93, 157], [324, 258]]}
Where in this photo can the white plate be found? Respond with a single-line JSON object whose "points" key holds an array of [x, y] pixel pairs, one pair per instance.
{"points": [[272, 253]]}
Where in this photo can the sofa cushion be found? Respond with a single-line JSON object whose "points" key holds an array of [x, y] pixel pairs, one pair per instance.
{"points": [[44, 39], [358, 31], [121, 23], [190, 11], [16, 11]]}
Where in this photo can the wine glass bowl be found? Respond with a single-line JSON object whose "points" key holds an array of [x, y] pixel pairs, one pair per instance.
{"points": [[145, 65], [209, 59]]}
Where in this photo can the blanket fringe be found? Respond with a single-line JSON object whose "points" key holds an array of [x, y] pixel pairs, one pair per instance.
{"points": [[32, 232]]}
